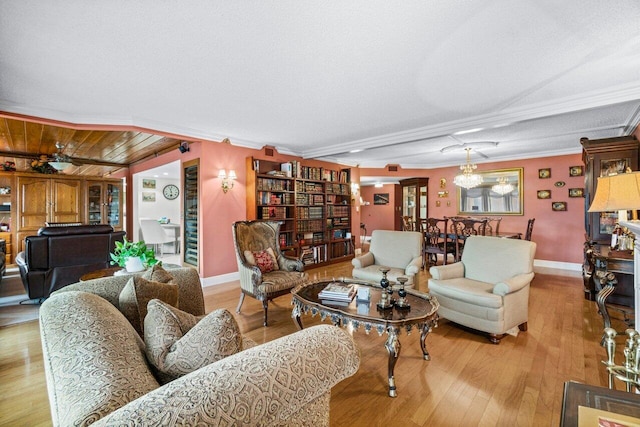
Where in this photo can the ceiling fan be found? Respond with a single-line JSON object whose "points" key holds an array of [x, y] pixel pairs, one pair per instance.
{"points": [[61, 161]]}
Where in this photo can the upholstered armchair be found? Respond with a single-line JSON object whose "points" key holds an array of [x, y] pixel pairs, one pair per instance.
{"points": [[265, 273], [400, 251], [488, 290]]}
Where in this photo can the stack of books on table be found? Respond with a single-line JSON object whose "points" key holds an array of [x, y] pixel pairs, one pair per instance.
{"points": [[337, 293]]}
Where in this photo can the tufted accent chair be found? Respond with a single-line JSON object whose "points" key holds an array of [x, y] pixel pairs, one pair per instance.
{"points": [[255, 236]]}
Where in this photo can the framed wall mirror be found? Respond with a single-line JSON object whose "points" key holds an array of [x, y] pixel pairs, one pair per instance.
{"points": [[499, 194]]}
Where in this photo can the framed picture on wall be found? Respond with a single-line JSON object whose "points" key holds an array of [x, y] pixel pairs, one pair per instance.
{"points": [[381, 198], [148, 183], [576, 192], [148, 196], [544, 173], [559, 206]]}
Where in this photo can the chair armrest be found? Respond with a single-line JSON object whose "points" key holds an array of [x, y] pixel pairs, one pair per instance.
{"points": [[289, 374], [513, 284], [363, 260], [449, 271], [290, 264], [414, 266]]}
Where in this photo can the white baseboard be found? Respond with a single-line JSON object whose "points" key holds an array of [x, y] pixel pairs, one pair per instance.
{"points": [[557, 265], [223, 278]]}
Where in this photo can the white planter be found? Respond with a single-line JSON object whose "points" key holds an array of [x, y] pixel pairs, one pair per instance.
{"points": [[134, 264]]}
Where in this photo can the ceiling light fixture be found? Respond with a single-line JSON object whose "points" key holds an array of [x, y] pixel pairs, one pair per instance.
{"points": [[467, 178], [60, 165], [503, 186]]}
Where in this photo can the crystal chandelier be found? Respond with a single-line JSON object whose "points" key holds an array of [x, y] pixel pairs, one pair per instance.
{"points": [[503, 186], [467, 178]]}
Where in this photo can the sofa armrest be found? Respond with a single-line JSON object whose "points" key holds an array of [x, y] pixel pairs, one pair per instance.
{"points": [[363, 260], [513, 284], [449, 271], [271, 384], [414, 266]]}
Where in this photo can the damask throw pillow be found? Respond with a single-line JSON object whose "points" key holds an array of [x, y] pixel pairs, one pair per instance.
{"points": [[178, 343], [157, 273], [137, 293], [265, 260]]}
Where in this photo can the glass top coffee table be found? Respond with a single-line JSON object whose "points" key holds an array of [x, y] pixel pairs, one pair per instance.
{"points": [[421, 314]]}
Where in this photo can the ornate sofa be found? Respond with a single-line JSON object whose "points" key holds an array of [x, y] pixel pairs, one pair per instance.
{"points": [[98, 372], [60, 255]]}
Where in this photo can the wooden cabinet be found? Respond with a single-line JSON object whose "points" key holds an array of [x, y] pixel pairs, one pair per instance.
{"points": [[6, 235], [43, 200], [603, 157], [312, 204], [104, 203], [412, 194]]}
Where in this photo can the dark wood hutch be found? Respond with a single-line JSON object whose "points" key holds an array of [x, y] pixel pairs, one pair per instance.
{"points": [[604, 157]]}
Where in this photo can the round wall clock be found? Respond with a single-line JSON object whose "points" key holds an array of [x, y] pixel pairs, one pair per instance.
{"points": [[170, 192]]}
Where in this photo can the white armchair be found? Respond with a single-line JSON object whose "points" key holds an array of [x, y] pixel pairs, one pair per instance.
{"points": [[400, 251], [488, 290]]}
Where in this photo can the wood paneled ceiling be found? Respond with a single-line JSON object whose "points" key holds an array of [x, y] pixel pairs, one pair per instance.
{"points": [[94, 152]]}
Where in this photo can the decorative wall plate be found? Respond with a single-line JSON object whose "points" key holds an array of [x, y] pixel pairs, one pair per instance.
{"points": [[559, 184]]}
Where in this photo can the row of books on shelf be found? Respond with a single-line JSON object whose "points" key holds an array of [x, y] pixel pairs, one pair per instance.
{"points": [[309, 199], [338, 210], [268, 198], [309, 187], [314, 254], [313, 212], [271, 212], [271, 184]]}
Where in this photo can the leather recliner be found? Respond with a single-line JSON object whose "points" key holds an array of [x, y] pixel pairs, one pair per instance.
{"points": [[59, 256]]}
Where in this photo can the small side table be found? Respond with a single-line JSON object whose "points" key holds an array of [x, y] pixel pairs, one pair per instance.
{"points": [[577, 394]]}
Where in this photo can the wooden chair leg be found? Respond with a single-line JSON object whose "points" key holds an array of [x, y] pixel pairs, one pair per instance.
{"points": [[264, 306], [523, 326], [240, 302]]}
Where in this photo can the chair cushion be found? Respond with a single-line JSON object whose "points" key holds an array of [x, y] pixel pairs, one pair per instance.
{"points": [[265, 260], [373, 273], [280, 280], [467, 290], [179, 343], [137, 293]]}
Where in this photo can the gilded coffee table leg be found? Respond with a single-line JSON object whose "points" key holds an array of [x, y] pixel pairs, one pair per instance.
{"points": [[296, 315], [393, 347], [426, 328]]}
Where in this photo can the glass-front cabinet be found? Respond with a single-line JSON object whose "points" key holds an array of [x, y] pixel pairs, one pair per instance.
{"points": [[414, 202], [104, 203], [190, 214]]}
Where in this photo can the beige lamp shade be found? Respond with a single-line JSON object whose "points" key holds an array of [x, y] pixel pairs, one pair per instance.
{"points": [[617, 192]]}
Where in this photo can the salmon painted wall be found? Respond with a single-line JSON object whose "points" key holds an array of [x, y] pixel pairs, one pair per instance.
{"points": [[559, 235], [218, 211]]}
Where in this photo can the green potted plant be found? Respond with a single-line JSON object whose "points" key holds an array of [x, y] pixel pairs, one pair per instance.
{"points": [[133, 256]]}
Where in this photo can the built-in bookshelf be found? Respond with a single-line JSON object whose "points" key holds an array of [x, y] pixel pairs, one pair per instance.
{"points": [[313, 205]]}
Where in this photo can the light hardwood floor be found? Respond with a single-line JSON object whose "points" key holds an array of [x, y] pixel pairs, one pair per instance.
{"points": [[468, 381]]}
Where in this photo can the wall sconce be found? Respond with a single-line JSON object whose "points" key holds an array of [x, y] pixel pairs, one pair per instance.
{"points": [[227, 180]]}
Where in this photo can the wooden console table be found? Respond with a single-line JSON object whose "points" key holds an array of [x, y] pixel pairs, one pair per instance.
{"points": [[613, 280]]}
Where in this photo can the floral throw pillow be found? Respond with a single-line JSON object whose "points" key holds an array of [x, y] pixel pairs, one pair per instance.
{"points": [[266, 260]]}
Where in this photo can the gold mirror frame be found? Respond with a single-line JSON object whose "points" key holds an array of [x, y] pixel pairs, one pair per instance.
{"points": [[481, 200]]}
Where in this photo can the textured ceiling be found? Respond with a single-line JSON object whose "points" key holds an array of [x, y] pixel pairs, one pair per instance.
{"points": [[397, 80]]}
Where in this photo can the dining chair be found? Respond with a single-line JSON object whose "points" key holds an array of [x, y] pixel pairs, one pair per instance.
{"points": [[465, 227], [493, 225], [154, 234], [408, 224], [436, 241], [527, 235]]}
